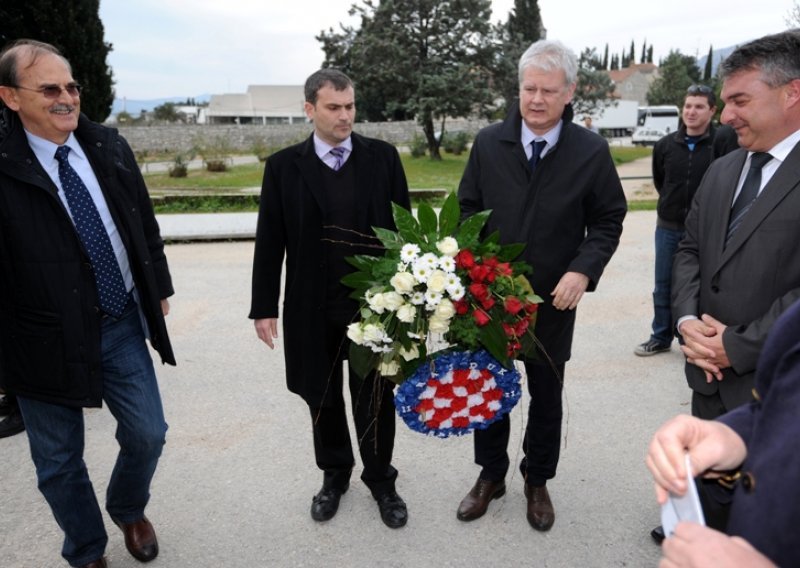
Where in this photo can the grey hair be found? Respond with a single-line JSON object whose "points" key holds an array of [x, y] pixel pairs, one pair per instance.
{"points": [[10, 58], [776, 56], [323, 77], [550, 55]]}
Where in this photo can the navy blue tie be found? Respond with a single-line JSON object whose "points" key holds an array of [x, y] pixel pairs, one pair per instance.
{"points": [[748, 193], [108, 277], [536, 146]]}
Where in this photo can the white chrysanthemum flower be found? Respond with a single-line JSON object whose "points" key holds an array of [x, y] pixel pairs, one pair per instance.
{"points": [[448, 246], [456, 292], [428, 259], [421, 271], [437, 280], [417, 298], [406, 313], [447, 263], [355, 333], [409, 253], [403, 282], [432, 299]]}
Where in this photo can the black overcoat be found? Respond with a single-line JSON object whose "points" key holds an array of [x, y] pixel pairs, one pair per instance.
{"points": [[290, 226], [49, 319], [568, 213]]}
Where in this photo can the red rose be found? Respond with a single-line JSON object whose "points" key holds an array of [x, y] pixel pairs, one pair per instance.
{"points": [[479, 273], [531, 308], [478, 290], [462, 307], [480, 317], [487, 303], [521, 326], [512, 305], [464, 259], [504, 269], [509, 329]]}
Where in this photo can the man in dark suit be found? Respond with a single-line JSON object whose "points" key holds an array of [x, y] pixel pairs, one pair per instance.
{"points": [[552, 185], [756, 446], [83, 282], [319, 200], [738, 268]]}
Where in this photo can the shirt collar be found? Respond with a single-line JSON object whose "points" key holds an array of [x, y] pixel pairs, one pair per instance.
{"points": [[551, 136], [322, 148], [780, 151], [45, 150]]}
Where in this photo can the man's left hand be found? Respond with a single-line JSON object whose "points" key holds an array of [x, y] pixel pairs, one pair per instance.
{"points": [[569, 290], [696, 546], [165, 307], [715, 358]]}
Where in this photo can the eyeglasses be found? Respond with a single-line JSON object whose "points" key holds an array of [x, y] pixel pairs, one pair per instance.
{"points": [[699, 90], [54, 91]]}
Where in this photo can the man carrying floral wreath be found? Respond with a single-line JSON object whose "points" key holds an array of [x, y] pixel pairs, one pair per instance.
{"points": [[552, 185], [319, 201]]}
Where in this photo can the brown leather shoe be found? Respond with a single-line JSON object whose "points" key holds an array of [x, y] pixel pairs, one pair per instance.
{"points": [[99, 563], [474, 505], [140, 539], [541, 514]]}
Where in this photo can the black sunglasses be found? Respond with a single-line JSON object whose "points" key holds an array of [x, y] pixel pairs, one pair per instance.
{"points": [[699, 90]]}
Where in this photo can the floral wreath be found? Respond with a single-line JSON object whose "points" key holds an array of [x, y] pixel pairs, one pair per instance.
{"points": [[439, 284]]}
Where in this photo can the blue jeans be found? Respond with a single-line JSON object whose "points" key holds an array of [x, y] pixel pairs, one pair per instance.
{"points": [[56, 437], [666, 244]]}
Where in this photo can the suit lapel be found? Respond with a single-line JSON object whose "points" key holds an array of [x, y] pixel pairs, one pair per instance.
{"points": [[783, 182], [307, 163]]}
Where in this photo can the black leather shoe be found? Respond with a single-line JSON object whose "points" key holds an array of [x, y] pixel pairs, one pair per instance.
{"points": [[541, 514], [140, 539], [474, 505], [657, 534], [325, 503], [12, 424], [6, 406], [393, 509]]}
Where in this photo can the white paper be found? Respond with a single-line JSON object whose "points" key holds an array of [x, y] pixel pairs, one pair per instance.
{"points": [[684, 507]]}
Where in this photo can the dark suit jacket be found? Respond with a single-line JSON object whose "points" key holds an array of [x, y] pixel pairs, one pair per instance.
{"points": [[569, 213], [766, 511], [290, 225], [751, 282]]}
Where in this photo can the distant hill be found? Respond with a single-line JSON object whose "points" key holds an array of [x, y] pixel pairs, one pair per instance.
{"points": [[135, 107]]}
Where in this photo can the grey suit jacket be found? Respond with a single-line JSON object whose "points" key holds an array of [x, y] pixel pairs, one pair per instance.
{"points": [[749, 283]]}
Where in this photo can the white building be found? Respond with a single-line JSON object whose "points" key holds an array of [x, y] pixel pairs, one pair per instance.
{"points": [[261, 104]]}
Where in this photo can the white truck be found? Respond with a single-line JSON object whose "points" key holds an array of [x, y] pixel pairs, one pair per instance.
{"points": [[654, 123], [613, 120]]}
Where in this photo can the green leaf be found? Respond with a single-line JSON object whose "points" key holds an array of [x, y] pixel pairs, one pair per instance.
{"points": [[470, 229], [494, 339], [362, 359], [449, 216], [363, 262], [427, 219], [510, 252], [359, 280], [390, 239], [406, 224]]}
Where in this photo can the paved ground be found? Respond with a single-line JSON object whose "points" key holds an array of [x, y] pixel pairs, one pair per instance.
{"points": [[235, 483]]}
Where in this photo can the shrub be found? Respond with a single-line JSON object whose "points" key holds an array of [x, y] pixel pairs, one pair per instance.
{"points": [[214, 152], [179, 167], [418, 146], [455, 143]]}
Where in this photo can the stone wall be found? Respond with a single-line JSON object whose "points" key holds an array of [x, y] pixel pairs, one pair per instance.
{"points": [[181, 137]]}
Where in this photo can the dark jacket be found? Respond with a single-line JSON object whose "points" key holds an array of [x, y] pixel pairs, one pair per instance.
{"points": [[569, 213], [766, 508], [677, 173], [49, 320], [290, 224]]}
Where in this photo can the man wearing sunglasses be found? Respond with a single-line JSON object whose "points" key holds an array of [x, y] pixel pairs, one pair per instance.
{"points": [[83, 282], [680, 160]]}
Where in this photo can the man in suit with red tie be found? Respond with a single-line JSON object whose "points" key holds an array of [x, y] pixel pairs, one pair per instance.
{"points": [[83, 282]]}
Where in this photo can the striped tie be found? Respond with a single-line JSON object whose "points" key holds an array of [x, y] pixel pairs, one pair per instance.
{"points": [[338, 153], [748, 193]]}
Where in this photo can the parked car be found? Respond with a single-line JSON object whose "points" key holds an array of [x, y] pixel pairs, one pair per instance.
{"points": [[644, 136]]}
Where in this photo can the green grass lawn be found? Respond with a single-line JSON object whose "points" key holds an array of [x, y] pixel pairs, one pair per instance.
{"points": [[422, 173]]}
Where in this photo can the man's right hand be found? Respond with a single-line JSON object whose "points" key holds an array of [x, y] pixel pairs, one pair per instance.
{"points": [[713, 448], [267, 330]]}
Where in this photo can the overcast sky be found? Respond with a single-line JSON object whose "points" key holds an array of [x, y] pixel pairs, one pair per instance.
{"points": [[165, 48]]}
